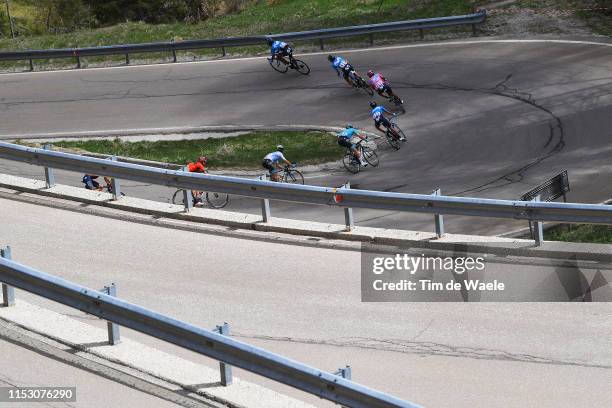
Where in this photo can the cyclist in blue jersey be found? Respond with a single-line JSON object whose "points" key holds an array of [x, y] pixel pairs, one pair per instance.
{"points": [[272, 162], [341, 66], [280, 50], [378, 114], [345, 138]]}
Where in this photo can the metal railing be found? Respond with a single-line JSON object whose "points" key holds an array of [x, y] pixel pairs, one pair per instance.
{"points": [[342, 197], [223, 43], [213, 344]]}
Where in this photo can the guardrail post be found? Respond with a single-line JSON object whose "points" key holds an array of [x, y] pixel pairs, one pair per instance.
{"points": [[225, 369], [223, 50], [115, 184], [31, 65], [321, 44], [422, 33], [113, 328], [49, 176], [371, 37], [265, 204], [78, 60], [8, 292], [349, 221], [187, 196], [127, 59], [474, 30], [439, 219], [346, 372], [173, 54], [538, 230]]}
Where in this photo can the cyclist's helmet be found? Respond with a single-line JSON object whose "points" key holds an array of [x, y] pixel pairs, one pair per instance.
{"points": [[373, 104], [202, 159], [349, 126], [330, 57], [280, 148], [370, 73]]}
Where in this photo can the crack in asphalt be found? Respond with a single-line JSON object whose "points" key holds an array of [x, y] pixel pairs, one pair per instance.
{"points": [[427, 348]]}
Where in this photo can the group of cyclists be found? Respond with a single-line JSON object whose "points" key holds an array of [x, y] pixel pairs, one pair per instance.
{"points": [[275, 161], [376, 81]]}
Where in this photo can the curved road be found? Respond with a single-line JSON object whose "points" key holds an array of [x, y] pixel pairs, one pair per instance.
{"points": [[485, 118]]}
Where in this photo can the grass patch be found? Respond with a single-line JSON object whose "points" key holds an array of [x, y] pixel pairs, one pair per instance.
{"points": [[245, 151], [260, 17], [598, 234]]}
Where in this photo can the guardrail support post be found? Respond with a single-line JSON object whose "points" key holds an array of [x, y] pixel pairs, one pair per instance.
{"points": [[439, 219], [113, 328], [31, 65], [225, 369], [321, 44], [127, 59], [49, 176], [265, 205], [346, 372], [538, 228], [474, 30], [174, 55], [421, 33], [349, 220], [187, 196], [223, 50], [115, 184], [371, 37], [8, 292], [78, 59]]}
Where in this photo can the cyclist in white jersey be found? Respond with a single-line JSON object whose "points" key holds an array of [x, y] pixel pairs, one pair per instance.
{"points": [[272, 162]]}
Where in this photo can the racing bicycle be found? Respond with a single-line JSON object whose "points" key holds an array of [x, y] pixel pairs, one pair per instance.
{"points": [[281, 66], [395, 100], [214, 200], [290, 174], [394, 133], [360, 83], [352, 164]]}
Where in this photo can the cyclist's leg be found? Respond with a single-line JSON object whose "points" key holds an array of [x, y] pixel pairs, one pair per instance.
{"points": [[389, 126]]}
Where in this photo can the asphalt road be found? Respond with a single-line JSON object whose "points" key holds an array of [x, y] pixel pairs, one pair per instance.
{"points": [[485, 119], [304, 302]]}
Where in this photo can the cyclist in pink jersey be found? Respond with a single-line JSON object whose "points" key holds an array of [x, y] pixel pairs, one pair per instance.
{"points": [[380, 84]]}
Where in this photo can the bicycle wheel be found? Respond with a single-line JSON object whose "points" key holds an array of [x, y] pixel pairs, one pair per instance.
{"points": [[301, 67], [278, 65], [399, 131], [392, 140], [350, 163], [217, 200], [178, 197], [293, 176], [370, 156]]}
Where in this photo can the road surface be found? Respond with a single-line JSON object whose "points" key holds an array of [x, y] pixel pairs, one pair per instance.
{"points": [[304, 302], [485, 119]]}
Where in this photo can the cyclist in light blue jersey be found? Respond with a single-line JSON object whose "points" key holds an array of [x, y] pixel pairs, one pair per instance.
{"points": [[341, 66], [345, 139], [378, 114], [272, 162], [280, 50]]}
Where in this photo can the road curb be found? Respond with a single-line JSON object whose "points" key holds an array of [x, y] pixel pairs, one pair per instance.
{"points": [[455, 244]]}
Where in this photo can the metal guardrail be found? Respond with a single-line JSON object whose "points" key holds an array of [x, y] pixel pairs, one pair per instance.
{"points": [[342, 197], [209, 343], [174, 46]]}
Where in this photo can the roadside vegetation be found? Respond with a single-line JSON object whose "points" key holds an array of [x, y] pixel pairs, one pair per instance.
{"points": [[598, 234], [79, 23], [244, 151]]}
